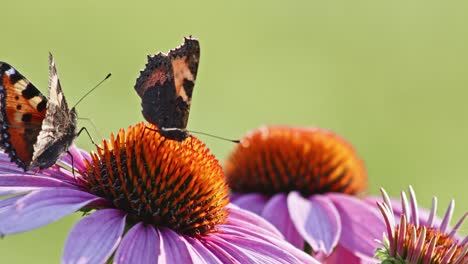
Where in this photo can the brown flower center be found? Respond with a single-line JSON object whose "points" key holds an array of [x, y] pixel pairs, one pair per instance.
{"points": [[282, 159], [161, 182]]}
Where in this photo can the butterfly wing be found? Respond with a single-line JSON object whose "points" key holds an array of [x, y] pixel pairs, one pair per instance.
{"points": [[58, 127], [22, 110], [166, 85]]}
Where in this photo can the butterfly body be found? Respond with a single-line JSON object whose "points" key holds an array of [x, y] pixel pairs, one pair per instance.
{"points": [[165, 87], [35, 131]]}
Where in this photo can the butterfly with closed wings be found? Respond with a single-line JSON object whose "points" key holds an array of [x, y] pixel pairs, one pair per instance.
{"points": [[34, 131]]}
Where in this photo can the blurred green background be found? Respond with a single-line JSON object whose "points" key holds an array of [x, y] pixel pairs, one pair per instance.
{"points": [[390, 76]]}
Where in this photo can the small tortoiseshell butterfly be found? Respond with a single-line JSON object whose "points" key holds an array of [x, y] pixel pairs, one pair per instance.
{"points": [[34, 131], [165, 87]]}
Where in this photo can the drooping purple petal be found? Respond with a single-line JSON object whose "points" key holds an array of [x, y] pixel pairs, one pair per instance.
{"points": [[24, 183], [6, 166], [317, 220], [42, 207], [5, 203], [276, 212], [176, 248], [340, 254], [221, 248], [141, 244], [9, 192], [247, 220], [254, 202], [259, 251], [208, 253], [95, 237], [361, 224], [272, 240]]}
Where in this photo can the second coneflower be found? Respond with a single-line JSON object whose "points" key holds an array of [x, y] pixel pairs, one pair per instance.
{"points": [[147, 200], [305, 182]]}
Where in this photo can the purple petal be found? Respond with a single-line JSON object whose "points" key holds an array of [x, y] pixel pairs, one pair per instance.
{"points": [[253, 202], [5, 203], [276, 212], [317, 220], [245, 219], [6, 166], [42, 207], [222, 248], [176, 249], [260, 251], [141, 244], [207, 253], [219, 252], [23, 183], [95, 237], [252, 234], [361, 224]]}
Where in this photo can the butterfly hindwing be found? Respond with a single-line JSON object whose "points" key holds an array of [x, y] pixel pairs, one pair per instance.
{"points": [[165, 87], [22, 110], [58, 127]]}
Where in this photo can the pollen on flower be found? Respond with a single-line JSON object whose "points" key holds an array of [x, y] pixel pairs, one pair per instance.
{"points": [[161, 182], [278, 159]]}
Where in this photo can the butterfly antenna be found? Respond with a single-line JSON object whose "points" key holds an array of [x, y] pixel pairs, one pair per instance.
{"points": [[213, 136], [92, 124], [92, 89]]}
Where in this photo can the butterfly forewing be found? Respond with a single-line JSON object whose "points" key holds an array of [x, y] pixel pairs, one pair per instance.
{"points": [[22, 110]]}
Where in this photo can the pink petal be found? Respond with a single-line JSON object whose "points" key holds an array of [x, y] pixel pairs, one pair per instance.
{"points": [[42, 207], [361, 224], [276, 212], [317, 220], [141, 244], [340, 253], [95, 237], [253, 202]]}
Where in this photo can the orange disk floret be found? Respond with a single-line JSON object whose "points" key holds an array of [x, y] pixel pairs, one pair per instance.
{"points": [[278, 159], [159, 181]]}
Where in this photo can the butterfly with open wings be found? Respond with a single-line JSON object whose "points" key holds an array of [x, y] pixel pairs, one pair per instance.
{"points": [[165, 87]]}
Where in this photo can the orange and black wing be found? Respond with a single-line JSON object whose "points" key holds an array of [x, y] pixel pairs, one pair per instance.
{"points": [[22, 110], [165, 87]]}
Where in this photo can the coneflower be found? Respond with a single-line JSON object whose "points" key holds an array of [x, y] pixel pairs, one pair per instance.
{"points": [[147, 200], [305, 181]]}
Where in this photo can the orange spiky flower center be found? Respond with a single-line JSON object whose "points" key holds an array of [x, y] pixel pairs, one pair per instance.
{"points": [[272, 160], [161, 182]]}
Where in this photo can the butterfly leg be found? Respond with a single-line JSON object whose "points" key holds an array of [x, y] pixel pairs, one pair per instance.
{"points": [[89, 135], [72, 163]]}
